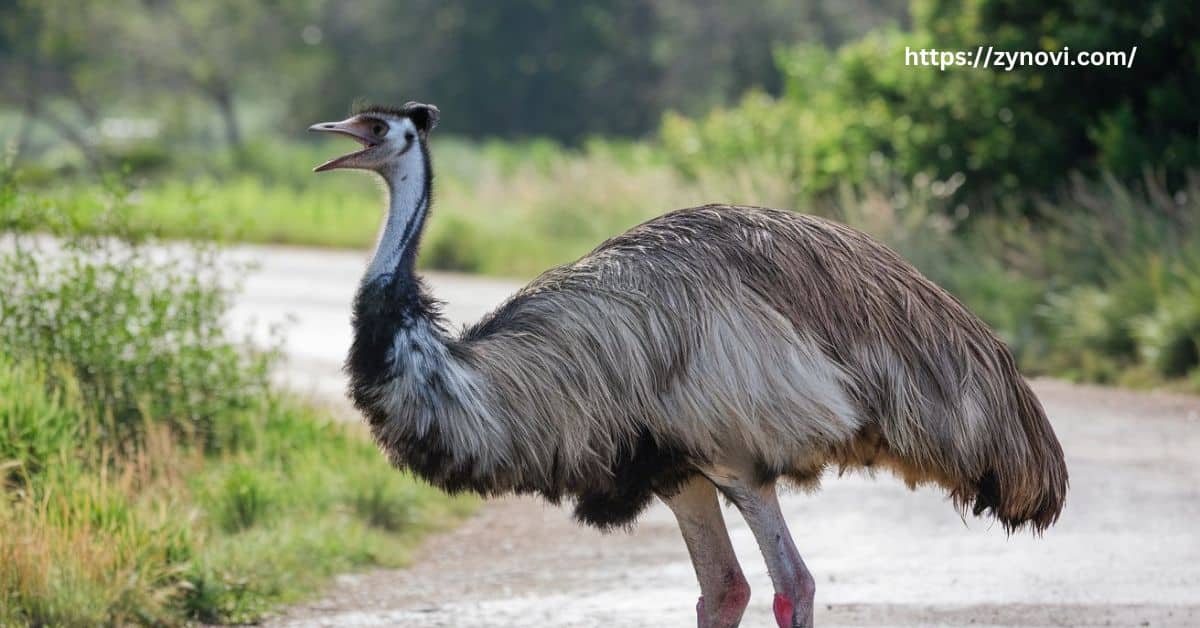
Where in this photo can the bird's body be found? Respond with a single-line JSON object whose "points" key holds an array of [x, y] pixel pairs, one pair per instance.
{"points": [[715, 336], [717, 348]]}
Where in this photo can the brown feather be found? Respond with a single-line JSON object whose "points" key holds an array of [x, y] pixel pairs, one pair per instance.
{"points": [[758, 340]]}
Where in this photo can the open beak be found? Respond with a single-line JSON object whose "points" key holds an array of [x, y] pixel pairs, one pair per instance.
{"points": [[355, 128]]}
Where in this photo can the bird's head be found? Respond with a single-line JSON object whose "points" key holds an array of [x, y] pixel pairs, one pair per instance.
{"points": [[387, 135]]}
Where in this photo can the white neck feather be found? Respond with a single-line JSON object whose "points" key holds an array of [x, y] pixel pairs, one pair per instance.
{"points": [[407, 204], [416, 386]]}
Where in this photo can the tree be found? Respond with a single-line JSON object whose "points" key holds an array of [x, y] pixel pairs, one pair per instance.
{"points": [[45, 61], [220, 49], [1113, 118]]}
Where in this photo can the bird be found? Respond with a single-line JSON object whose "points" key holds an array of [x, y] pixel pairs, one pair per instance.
{"points": [[712, 352]]}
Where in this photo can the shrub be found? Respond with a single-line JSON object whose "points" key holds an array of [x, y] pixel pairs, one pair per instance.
{"points": [[143, 338], [1169, 337], [148, 472], [1006, 133]]}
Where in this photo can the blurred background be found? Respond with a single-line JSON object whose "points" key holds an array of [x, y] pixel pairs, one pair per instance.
{"points": [[1060, 204]]}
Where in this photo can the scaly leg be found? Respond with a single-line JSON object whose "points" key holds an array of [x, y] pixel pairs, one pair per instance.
{"points": [[724, 592], [794, 585]]}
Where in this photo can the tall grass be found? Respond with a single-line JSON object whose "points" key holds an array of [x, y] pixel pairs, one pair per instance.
{"points": [[149, 472]]}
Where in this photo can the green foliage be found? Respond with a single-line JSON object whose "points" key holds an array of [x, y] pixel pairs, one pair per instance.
{"points": [[139, 337], [386, 506], [246, 497], [36, 425], [148, 472], [1117, 276], [1101, 287], [987, 136], [1114, 119], [72, 76], [566, 70], [1169, 337], [1079, 290]]}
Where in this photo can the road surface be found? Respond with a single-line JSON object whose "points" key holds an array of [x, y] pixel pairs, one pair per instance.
{"points": [[1125, 553]]}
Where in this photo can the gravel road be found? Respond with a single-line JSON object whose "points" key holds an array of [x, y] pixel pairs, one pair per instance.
{"points": [[1125, 553]]}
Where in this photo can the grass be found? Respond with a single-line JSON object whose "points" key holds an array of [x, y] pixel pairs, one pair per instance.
{"points": [[1099, 285], [501, 209], [149, 471], [165, 533], [241, 208]]}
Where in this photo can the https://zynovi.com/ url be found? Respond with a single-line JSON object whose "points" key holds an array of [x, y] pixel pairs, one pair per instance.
{"points": [[987, 57]]}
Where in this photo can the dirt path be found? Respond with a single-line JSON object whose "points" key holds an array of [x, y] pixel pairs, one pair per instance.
{"points": [[1125, 553]]}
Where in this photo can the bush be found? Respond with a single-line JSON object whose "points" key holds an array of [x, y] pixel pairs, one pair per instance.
{"points": [[1168, 338], [149, 474], [143, 339], [1117, 266], [1005, 134]]}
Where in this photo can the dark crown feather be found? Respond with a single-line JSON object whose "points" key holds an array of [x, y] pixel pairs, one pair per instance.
{"points": [[424, 116]]}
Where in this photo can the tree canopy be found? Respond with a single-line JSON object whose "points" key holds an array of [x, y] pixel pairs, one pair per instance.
{"points": [[528, 67]]}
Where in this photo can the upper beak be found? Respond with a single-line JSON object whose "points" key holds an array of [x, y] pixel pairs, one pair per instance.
{"points": [[354, 128]]}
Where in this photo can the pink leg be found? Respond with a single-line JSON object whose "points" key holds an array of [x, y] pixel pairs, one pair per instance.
{"points": [[794, 585], [723, 588]]}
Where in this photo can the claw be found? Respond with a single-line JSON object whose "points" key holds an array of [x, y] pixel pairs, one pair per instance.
{"points": [[700, 612]]}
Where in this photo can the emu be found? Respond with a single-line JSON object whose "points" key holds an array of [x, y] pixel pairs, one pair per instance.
{"points": [[713, 351]]}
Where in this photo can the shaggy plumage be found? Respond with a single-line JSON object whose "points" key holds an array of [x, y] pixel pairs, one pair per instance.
{"points": [[714, 335], [717, 348]]}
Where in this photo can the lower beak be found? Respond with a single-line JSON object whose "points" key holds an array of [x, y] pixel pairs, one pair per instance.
{"points": [[353, 129]]}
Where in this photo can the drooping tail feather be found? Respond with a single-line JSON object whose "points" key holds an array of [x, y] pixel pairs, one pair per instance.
{"points": [[941, 392], [1026, 479]]}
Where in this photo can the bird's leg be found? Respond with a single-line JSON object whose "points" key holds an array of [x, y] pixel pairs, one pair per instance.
{"points": [[794, 585], [724, 591]]}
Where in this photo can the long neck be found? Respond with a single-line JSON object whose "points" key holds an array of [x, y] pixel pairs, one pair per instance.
{"points": [[391, 301], [425, 401], [409, 185]]}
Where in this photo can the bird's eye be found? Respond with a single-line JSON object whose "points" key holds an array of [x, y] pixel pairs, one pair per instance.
{"points": [[379, 130], [408, 137]]}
